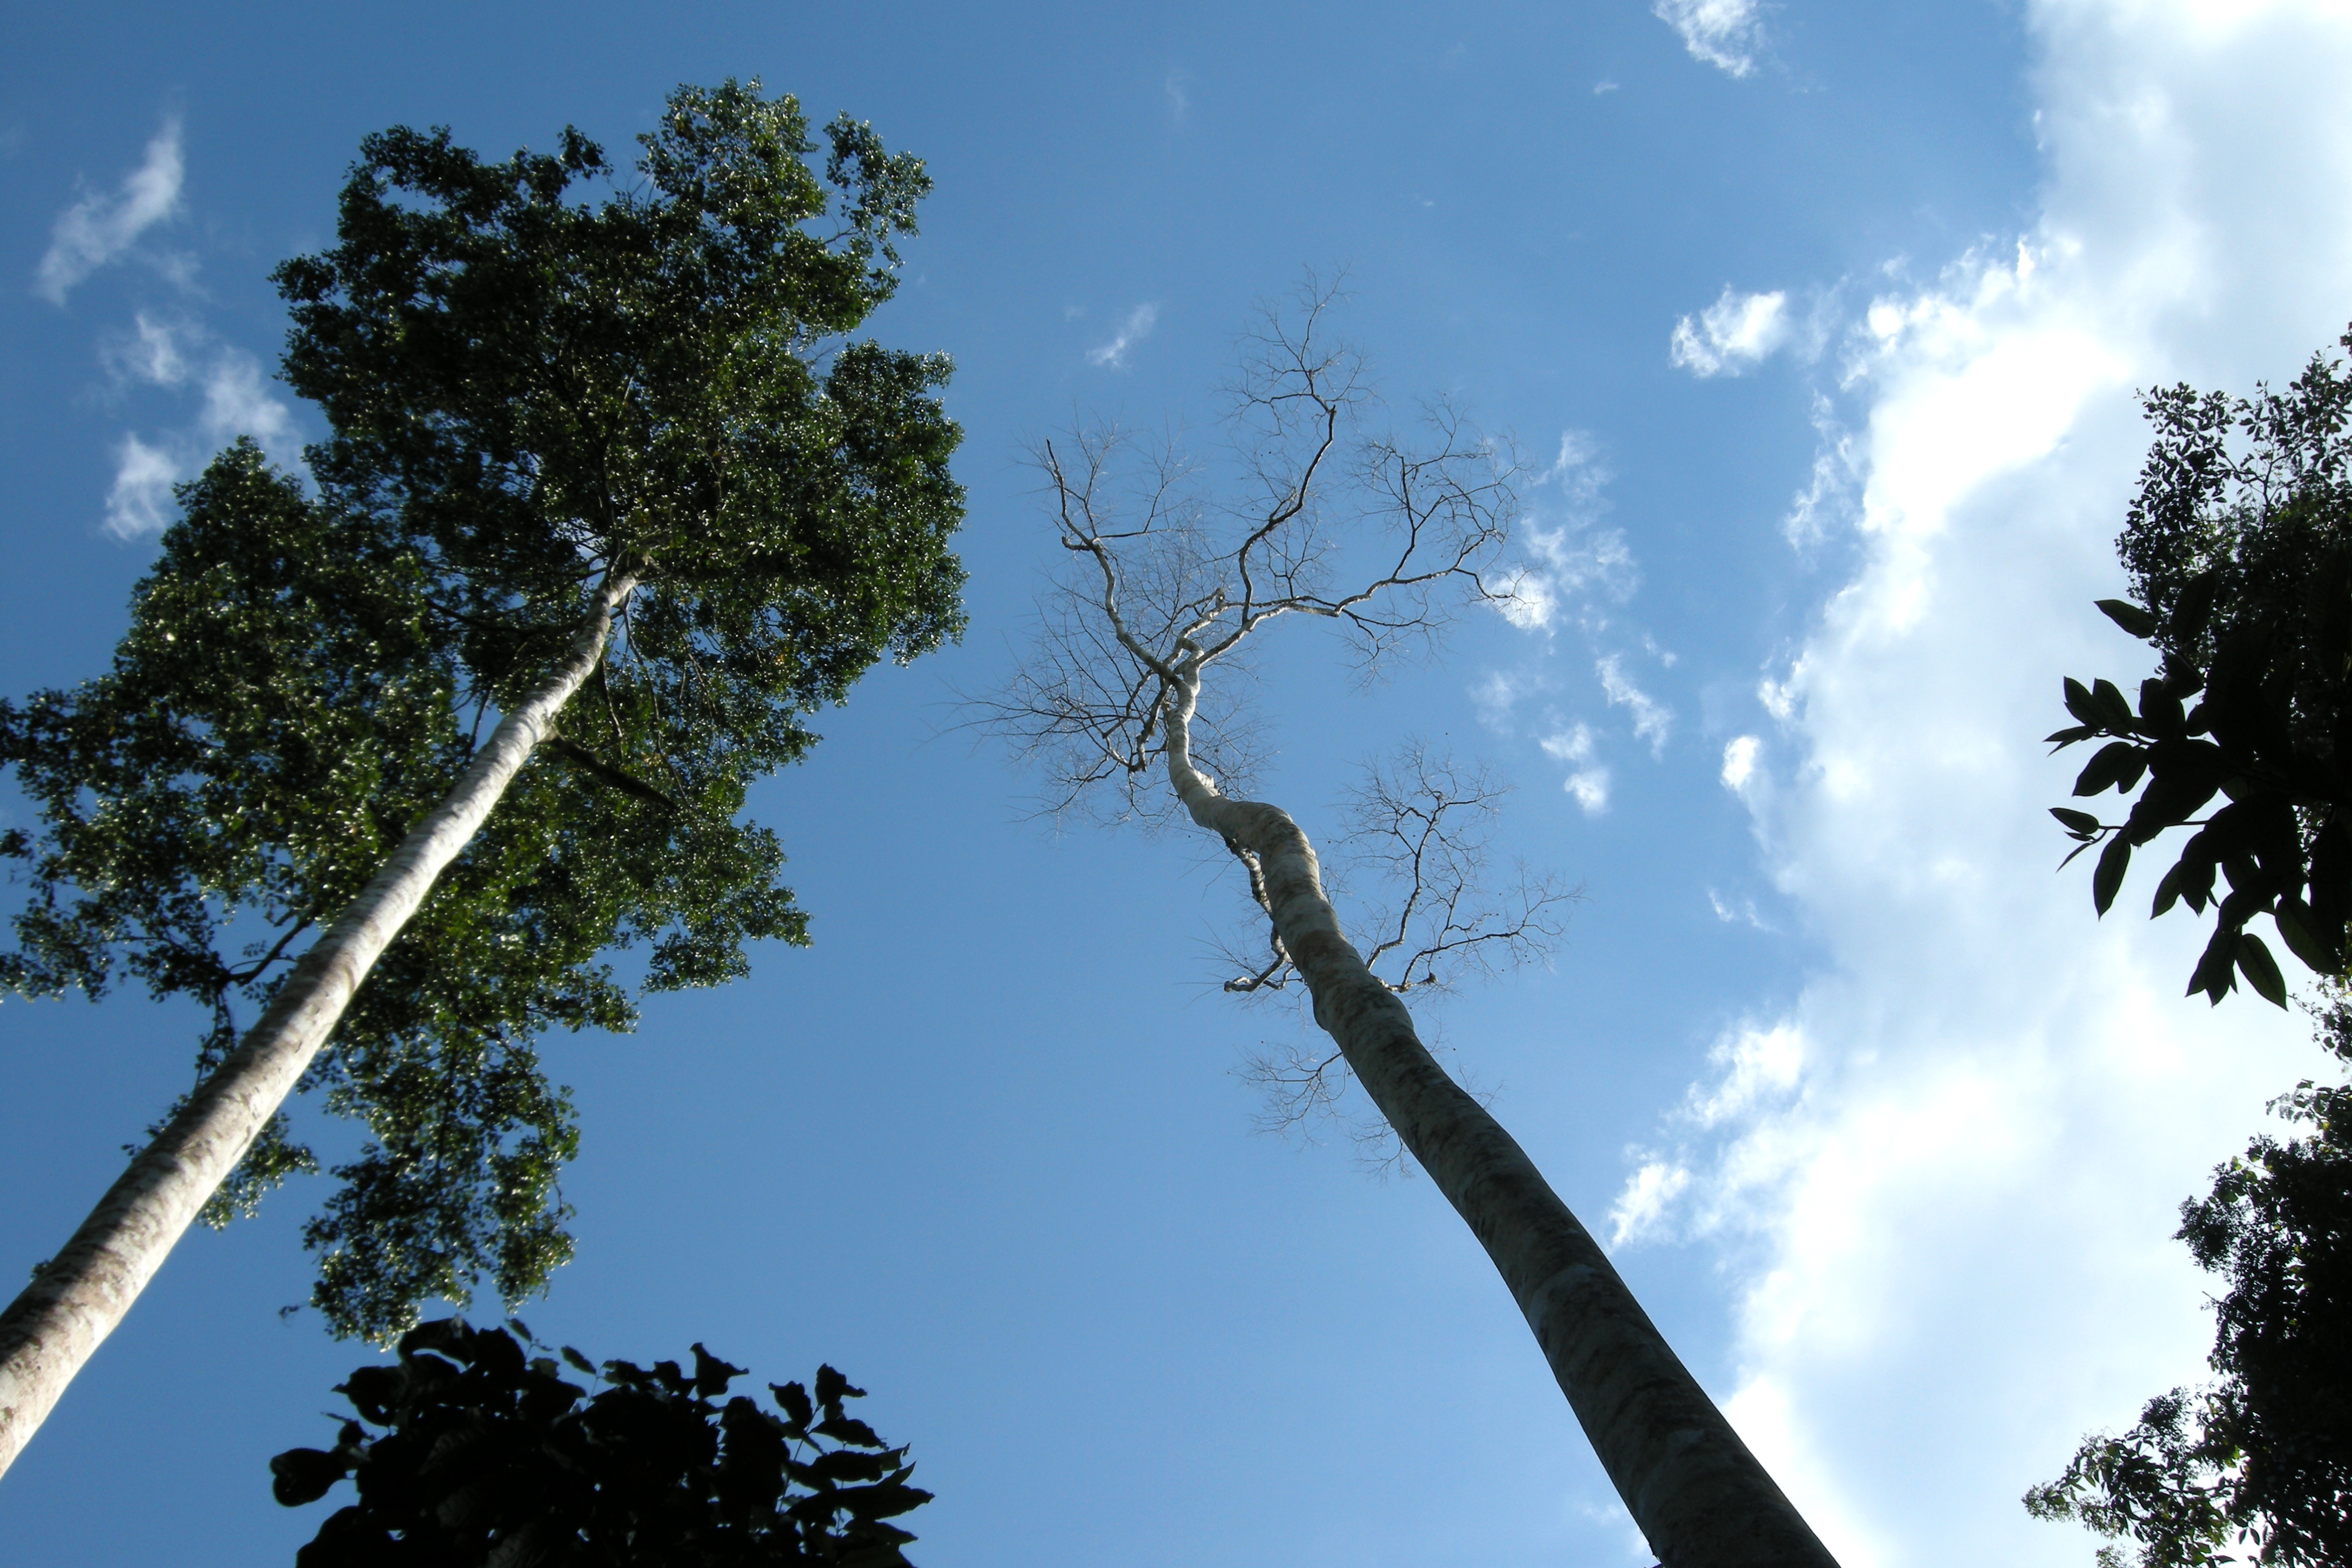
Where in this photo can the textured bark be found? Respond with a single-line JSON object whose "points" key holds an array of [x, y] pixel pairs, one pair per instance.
{"points": [[1698, 1495], [79, 1296]]}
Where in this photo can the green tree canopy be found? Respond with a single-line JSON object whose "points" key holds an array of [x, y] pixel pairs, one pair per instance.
{"points": [[487, 1457], [525, 394]]}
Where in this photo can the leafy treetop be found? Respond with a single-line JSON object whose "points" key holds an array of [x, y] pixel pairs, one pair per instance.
{"points": [[2239, 551], [523, 394]]}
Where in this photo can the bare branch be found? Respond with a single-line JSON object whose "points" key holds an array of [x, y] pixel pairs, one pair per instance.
{"points": [[1420, 825]]}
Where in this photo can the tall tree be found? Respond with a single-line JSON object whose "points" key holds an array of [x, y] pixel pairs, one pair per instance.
{"points": [[619, 446], [1168, 587], [2239, 548]]}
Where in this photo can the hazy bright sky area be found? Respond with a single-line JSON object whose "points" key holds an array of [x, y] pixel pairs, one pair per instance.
{"points": [[1818, 323]]}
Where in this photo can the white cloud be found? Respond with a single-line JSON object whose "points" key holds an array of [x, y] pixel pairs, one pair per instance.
{"points": [[140, 499], [1831, 491], [1740, 762], [1497, 696], [1180, 101], [237, 401], [1573, 559], [1725, 34], [1588, 783], [1653, 719], [98, 230], [1132, 331], [1735, 333], [1945, 1177], [1640, 1211]]}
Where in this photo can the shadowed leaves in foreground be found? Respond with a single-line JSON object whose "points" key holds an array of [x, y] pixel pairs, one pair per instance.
{"points": [[481, 1457]]}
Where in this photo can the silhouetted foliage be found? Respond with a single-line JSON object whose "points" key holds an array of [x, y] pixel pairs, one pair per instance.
{"points": [[480, 1455], [2239, 551], [2257, 1468]]}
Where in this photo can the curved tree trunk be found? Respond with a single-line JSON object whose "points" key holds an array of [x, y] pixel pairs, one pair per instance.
{"points": [[79, 1295], [1698, 1495]]}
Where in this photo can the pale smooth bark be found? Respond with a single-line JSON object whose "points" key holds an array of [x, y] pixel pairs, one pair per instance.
{"points": [[79, 1296], [1698, 1495]]}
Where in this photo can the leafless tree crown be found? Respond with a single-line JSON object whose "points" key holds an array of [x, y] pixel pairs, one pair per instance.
{"points": [[1174, 567], [1171, 571]]}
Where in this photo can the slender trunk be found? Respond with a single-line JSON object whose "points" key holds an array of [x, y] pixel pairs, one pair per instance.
{"points": [[1697, 1494], [80, 1295]]}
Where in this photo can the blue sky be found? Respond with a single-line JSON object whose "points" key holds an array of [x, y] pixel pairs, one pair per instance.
{"points": [[1822, 322]]}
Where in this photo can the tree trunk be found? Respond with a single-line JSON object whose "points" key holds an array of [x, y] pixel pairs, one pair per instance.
{"points": [[79, 1295], [1698, 1495]]}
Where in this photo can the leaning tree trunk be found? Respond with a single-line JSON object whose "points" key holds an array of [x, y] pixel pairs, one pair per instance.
{"points": [[79, 1296], [1698, 1495]]}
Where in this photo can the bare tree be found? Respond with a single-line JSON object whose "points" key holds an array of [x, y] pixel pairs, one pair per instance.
{"points": [[1387, 540]]}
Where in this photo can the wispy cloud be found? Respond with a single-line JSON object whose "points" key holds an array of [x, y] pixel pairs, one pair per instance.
{"points": [[1829, 494], [1725, 34], [1588, 781], [236, 400], [1653, 719], [1572, 558], [1643, 1206], [1132, 331], [100, 229], [1738, 332], [1179, 99]]}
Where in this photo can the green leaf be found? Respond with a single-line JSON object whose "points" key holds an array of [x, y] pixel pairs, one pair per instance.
{"points": [[794, 1401], [2115, 709], [2065, 738], [2167, 891], [2215, 973], [2261, 970], [2109, 765], [2079, 703], [304, 1475], [2109, 877], [2075, 822], [2297, 926], [832, 1388], [2129, 616], [851, 1430]]}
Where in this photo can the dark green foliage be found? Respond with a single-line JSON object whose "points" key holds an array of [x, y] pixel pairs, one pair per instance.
{"points": [[2259, 1467], [537, 389], [525, 392], [285, 704], [2239, 551], [485, 1458]]}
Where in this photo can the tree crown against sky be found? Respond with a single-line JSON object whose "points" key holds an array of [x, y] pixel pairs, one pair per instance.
{"points": [[486, 1456], [2239, 548], [523, 395]]}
